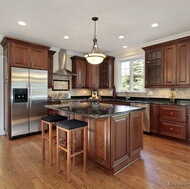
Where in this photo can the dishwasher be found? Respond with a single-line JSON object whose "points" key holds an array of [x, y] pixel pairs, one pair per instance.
{"points": [[146, 115]]}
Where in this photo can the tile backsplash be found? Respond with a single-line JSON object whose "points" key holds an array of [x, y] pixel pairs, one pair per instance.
{"points": [[181, 93]]}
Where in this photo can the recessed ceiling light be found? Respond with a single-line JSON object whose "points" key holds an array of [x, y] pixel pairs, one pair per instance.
{"points": [[66, 37], [121, 37], [154, 25], [124, 47], [21, 23]]}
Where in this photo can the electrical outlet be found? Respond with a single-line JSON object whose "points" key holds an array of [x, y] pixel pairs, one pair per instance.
{"points": [[150, 93]]}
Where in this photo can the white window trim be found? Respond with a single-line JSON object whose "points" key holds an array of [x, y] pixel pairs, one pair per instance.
{"points": [[118, 72]]}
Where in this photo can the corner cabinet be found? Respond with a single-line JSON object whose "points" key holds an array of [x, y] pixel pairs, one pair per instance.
{"points": [[26, 55], [153, 66], [107, 73], [79, 67], [168, 64]]}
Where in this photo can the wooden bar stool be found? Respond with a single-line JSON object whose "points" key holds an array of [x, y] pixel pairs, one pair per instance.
{"points": [[70, 126], [50, 121]]}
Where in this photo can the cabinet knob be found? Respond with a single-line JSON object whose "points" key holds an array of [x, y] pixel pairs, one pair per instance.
{"points": [[171, 113], [171, 129]]}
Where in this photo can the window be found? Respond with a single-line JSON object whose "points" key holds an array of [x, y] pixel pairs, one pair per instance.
{"points": [[132, 75]]}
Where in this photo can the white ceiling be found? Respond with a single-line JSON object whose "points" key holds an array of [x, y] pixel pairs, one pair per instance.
{"points": [[49, 20]]}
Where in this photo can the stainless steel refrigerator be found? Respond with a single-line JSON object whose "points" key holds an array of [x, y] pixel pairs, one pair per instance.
{"points": [[29, 93]]}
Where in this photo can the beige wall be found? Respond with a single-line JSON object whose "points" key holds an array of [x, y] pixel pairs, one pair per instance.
{"points": [[1, 50]]}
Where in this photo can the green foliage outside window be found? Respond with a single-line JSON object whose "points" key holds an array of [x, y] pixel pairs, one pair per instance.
{"points": [[132, 79]]}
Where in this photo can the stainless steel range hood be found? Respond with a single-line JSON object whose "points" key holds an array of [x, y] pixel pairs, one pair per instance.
{"points": [[62, 71]]}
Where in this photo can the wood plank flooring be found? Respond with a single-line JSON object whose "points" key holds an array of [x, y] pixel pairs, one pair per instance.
{"points": [[164, 163]]}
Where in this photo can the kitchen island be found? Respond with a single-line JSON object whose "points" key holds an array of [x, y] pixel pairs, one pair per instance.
{"points": [[115, 133]]}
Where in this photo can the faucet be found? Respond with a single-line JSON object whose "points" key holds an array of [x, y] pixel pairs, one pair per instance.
{"points": [[126, 96]]}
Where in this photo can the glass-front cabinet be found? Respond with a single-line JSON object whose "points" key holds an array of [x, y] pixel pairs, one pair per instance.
{"points": [[153, 66]]}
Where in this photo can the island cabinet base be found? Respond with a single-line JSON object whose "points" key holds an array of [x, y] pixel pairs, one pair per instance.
{"points": [[115, 142]]}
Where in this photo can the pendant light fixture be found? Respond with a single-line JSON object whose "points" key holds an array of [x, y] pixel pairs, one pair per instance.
{"points": [[95, 57]]}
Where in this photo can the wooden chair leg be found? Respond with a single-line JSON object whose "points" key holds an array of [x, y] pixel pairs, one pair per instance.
{"points": [[74, 146], [85, 149], [68, 156], [58, 150], [50, 145], [43, 140]]}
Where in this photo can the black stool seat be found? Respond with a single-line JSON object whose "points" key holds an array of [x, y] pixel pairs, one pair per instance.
{"points": [[71, 124], [53, 118]]}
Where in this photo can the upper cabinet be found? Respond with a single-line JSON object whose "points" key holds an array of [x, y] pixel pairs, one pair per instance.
{"points": [[107, 73], [79, 67], [26, 55], [50, 68], [93, 76], [167, 64], [176, 64], [153, 66]]}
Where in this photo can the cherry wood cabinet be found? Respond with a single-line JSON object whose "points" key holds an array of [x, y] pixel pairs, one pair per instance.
{"points": [[114, 142], [79, 67], [173, 121], [93, 76], [99, 141], [153, 66], [188, 123], [174, 67], [50, 68], [26, 55], [107, 73], [176, 64], [136, 133], [120, 137], [154, 118]]}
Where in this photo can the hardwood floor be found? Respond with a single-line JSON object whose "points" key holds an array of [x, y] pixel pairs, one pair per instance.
{"points": [[163, 164]]}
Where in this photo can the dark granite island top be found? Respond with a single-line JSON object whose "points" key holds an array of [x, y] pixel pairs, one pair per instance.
{"points": [[115, 132], [86, 109]]}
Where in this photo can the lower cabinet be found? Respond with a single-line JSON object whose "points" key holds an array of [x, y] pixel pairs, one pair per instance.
{"points": [[114, 142], [120, 150], [154, 118], [169, 120], [188, 123]]}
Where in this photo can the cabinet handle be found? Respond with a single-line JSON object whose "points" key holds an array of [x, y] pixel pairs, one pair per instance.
{"points": [[171, 129]]}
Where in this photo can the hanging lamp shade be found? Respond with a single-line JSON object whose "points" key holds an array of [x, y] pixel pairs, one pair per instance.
{"points": [[95, 57]]}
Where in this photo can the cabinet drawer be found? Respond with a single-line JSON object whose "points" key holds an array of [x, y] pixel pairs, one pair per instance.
{"points": [[174, 113], [173, 129]]}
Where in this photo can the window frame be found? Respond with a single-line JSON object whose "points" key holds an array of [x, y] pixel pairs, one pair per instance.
{"points": [[118, 70]]}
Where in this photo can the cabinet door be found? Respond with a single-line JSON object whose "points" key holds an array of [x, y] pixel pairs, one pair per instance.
{"points": [[136, 132], [39, 58], [19, 55], [170, 64], [79, 67], [50, 68], [119, 139], [154, 118], [183, 63], [99, 141], [107, 73], [92, 76], [153, 66]]}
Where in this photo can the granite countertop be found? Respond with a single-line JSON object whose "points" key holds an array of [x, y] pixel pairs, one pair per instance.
{"points": [[86, 109], [166, 101]]}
